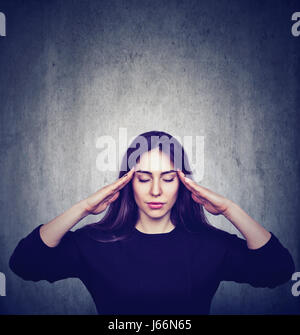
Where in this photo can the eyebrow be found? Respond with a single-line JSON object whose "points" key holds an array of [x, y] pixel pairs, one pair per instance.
{"points": [[148, 172]]}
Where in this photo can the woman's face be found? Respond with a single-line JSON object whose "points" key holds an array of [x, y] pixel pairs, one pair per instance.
{"points": [[155, 181]]}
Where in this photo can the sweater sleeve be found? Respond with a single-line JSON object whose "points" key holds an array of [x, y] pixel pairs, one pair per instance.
{"points": [[33, 260], [268, 266]]}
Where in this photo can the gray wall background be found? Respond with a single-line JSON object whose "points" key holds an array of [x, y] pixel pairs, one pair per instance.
{"points": [[72, 71]]}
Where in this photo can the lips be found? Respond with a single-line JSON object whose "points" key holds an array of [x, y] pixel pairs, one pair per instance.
{"points": [[155, 205]]}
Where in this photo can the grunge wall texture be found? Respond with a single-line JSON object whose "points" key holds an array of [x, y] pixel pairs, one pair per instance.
{"points": [[72, 71]]}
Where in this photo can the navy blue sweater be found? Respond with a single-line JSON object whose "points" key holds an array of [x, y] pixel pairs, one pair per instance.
{"points": [[168, 273]]}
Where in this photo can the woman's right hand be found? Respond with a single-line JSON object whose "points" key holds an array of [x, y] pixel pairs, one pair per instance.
{"points": [[98, 202]]}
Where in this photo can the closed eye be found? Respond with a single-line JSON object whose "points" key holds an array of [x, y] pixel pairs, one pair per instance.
{"points": [[168, 180], [145, 180]]}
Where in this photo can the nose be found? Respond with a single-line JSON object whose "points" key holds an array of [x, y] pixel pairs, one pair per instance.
{"points": [[156, 188]]}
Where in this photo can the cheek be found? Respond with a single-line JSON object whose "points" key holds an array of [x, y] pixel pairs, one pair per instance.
{"points": [[138, 189], [172, 189]]}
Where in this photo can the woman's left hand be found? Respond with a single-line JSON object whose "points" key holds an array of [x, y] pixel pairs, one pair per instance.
{"points": [[212, 202]]}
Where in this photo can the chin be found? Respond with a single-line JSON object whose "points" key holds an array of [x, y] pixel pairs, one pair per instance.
{"points": [[156, 215]]}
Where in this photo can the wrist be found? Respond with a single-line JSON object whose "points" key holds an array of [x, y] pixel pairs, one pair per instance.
{"points": [[229, 209], [82, 208]]}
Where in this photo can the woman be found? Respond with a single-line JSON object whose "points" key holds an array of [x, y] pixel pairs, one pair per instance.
{"points": [[147, 258]]}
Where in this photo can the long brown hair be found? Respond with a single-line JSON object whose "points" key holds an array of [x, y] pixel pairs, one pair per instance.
{"points": [[122, 214]]}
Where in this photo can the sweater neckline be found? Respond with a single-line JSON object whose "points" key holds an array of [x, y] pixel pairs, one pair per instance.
{"points": [[155, 235]]}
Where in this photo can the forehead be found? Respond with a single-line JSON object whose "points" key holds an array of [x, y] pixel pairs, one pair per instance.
{"points": [[155, 160]]}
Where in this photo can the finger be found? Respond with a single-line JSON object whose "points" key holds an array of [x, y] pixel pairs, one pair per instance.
{"points": [[185, 181], [113, 198], [110, 198], [194, 187], [110, 190], [191, 184], [181, 175], [129, 174], [198, 199], [199, 191], [122, 181]]}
